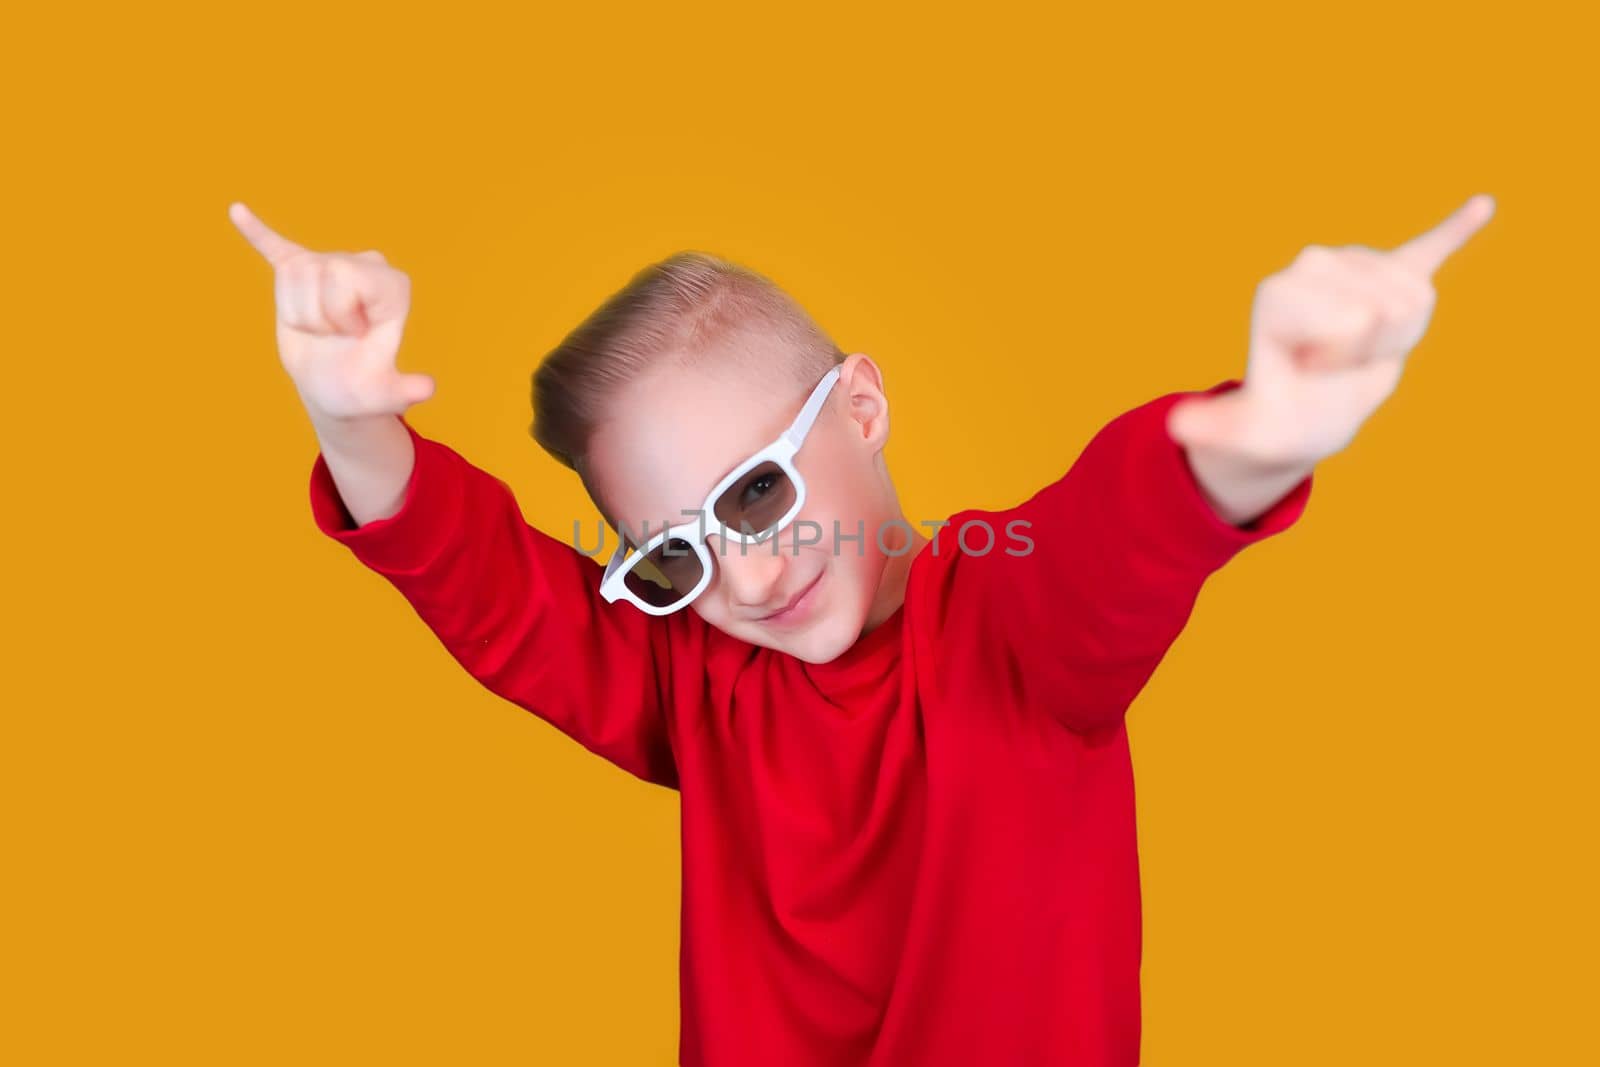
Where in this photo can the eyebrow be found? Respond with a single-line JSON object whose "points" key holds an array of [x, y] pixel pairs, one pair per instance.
{"points": [[744, 458], [631, 543]]}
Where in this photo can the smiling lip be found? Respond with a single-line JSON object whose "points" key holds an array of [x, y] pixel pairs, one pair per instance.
{"points": [[796, 606]]}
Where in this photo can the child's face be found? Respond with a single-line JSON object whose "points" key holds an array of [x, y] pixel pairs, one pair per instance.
{"points": [[673, 435]]}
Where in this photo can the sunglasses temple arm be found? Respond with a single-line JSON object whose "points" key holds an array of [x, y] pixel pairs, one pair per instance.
{"points": [[796, 433]]}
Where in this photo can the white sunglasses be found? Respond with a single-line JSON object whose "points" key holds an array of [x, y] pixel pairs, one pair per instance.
{"points": [[756, 500]]}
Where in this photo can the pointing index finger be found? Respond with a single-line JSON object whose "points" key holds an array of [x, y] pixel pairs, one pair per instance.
{"points": [[1426, 252], [274, 247]]}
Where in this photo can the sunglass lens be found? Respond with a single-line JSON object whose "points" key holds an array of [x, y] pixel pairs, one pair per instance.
{"points": [[666, 574], [758, 501]]}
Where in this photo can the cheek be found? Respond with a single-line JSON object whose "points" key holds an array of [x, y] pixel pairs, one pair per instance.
{"points": [[849, 526], [839, 476], [837, 499], [851, 572], [835, 485], [708, 605]]}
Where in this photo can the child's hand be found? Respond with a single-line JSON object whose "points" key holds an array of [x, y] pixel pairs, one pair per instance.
{"points": [[340, 318], [1328, 341]]}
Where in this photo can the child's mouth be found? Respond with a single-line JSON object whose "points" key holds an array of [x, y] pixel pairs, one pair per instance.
{"points": [[797, 609]]}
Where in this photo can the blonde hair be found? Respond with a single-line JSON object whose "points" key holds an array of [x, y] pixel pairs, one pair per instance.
{"points": [[670, 313]]}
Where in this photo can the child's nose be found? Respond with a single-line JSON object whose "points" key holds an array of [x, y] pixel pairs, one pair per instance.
{"points": [[754, 576]]}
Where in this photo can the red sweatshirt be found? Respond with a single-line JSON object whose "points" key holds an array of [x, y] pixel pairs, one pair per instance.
{"points": [[917, 855]]}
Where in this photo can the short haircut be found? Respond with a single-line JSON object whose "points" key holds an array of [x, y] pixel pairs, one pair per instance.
{"points": [[677, 312]]}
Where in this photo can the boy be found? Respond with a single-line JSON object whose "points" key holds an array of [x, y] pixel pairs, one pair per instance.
{"points": [[907, 807]]}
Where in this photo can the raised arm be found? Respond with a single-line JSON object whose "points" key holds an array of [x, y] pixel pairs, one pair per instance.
{"points": [[1120, 547], [518, 609], [1168, 492], [1329, 339]]}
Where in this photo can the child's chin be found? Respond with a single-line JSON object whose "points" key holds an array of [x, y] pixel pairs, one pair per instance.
{"points": [[822, 640]]}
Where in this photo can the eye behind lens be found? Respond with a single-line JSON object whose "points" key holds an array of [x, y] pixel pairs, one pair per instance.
{"points": [[755, 503]]}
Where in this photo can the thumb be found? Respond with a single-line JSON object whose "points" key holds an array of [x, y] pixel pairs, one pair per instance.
{"points": [[1202, 420], [413, 389]]}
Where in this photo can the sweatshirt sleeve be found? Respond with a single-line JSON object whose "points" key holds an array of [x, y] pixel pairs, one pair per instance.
{"points": [[1120, 547], [518, 609]]}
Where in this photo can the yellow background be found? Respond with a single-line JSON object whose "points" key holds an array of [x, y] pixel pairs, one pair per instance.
{"points": [[255, 814]]}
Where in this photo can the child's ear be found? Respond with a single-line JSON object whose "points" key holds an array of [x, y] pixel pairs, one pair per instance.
{"points": [[862, 382]]}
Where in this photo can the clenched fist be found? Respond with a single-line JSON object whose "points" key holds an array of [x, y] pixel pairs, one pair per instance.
{"points": [[340, 319], [1329, 336]]}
